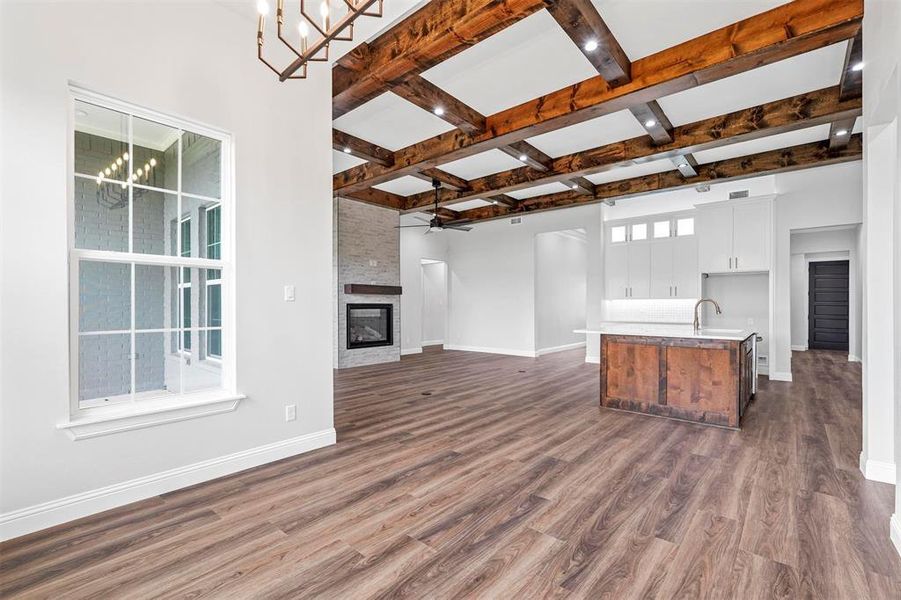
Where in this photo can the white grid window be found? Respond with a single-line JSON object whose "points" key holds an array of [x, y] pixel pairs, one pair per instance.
{"points": [[151, 260], [639, 231], [685, 226], [661, 229], [618, 234]]}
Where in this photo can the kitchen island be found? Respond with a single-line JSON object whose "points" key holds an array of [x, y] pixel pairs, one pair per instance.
{"points": [[705, 376]]}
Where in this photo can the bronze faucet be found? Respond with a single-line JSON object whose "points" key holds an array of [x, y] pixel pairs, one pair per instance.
{"points": [[696, 325]]}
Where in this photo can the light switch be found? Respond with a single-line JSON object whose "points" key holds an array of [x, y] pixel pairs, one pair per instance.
{"points": [[290, 412], [373, 262], [289, 293]]}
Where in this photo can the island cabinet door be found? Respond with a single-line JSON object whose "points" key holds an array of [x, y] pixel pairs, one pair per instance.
{"points": [[702, 383], [630, 374]]}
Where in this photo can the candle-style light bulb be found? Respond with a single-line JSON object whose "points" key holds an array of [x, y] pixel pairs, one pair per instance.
{"points": [[323, 10], [262, 7], [152, 162]]}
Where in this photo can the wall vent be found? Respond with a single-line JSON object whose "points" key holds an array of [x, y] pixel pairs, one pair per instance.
{"points": [[738, 194], [516, 220], [762, 359]]}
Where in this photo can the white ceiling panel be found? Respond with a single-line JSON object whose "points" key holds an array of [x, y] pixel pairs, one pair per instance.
{"points": [[644, 27], [539, 190], [482, 164], [803, 73], [858, 125], [391, 122], [343, 162], [634, 170], [773, 142], [405, 186], [528, 59], [468, 204], [590, 134]]}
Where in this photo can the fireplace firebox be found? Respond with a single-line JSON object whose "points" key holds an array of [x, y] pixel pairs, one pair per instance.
{"points": [[369, 325]]}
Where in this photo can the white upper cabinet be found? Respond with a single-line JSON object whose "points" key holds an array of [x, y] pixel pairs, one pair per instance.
{"points": [[734, 237], [639, 270], [686, 276], [616, 270]]}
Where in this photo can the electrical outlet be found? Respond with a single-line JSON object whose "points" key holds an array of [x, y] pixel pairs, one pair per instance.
{"points": [[290, 412]]}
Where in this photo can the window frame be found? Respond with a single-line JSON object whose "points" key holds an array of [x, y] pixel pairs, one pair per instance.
{"points": [[85, 418]]}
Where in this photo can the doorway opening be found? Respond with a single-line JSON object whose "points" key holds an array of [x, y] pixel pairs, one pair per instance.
{"points": [[434, 302], [561, 285], [828, 305]]}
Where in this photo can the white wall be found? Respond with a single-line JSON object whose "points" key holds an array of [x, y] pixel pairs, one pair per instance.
{"points": [[183, 59], [820, 245], [434, 302], [560, 288], [822, 197], [881, 453]]}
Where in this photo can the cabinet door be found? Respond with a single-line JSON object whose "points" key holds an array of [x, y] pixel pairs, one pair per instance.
{"points": [[714, 232], [640, 270], [686, 275], [662, 268], [751, 237], [616, 270]]}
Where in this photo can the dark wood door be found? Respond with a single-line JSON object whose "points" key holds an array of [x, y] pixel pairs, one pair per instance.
{"points": [[827, 316]]}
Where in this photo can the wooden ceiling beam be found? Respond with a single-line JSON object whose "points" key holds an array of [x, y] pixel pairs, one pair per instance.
{"points": [[789, 114], [852, 73], [686, 164], [344, 142], [377, 197], [782, 32], [840, 133], [430, 97], [654, 121], [585, 27], [426, 37], [529, 155], [805, 156], [581, 185], [451, 182]]}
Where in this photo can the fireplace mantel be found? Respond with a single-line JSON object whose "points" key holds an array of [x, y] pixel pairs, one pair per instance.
{"points": [[369, 289]]}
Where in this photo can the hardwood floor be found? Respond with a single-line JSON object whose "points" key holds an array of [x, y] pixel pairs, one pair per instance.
{"points": [[473, 475]]}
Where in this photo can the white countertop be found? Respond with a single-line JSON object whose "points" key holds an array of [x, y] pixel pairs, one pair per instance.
{"points": [[674, 330]]}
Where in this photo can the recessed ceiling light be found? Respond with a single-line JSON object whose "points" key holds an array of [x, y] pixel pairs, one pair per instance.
{"points": [[857, 66], [683, 165], [575, 186], [841, 132], [523, 157], [650, 123], [346, 150], [590, 46], [494, 201], [439, 111]]}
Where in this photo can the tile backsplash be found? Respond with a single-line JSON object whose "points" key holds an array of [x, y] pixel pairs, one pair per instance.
{"points": [[650, 311]]}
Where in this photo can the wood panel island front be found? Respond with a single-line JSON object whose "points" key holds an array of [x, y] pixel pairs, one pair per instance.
{"points": [[706, 376]]}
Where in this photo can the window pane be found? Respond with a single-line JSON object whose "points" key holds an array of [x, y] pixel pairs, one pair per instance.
{"points": [[104, 296], [101, 142], [661, 229], [639, 231], [186, 308], [200, 171], [214, 319], [101, 215], [156, 366], [152, 215], [618, 234], [199, 221], [200, 373], [153, 296], [685, 226], [104, 366], [155, 148]]}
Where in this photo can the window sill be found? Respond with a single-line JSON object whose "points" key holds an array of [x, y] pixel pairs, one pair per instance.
{"points": [[114, 419]]}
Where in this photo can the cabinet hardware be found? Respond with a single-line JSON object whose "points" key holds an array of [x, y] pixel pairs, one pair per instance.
{"points": [[730, 262], [677, 291], [736, 262]]}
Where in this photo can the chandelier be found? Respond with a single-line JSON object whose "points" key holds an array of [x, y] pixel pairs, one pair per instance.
{"points": [[114, 194], [330, 27]]}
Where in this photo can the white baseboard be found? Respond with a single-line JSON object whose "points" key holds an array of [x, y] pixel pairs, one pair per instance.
{"points": [[799, 348], [41, 516], [507, 351], [596, 360], [780, 376], [853, 358], [895, 531], [552, 349], [877, 470], [432, 342], [406, 351]]}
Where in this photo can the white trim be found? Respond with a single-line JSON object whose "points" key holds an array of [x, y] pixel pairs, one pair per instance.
{"points": [[895, 531], [552, 349], [780, 376], [854, 358], [40, 516], [432, 342], [798, 348], [877, 470], [595, 360], [486, 350], [406, 351], [138, 415]]}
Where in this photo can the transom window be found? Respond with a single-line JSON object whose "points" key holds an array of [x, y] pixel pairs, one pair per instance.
{"points": [[151, 260]]}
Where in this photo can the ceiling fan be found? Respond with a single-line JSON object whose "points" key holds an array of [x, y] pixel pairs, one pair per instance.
{"points": [[436, 223]]}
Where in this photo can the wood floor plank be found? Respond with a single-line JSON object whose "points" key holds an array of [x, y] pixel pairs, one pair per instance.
{"points": [[508, 480]]}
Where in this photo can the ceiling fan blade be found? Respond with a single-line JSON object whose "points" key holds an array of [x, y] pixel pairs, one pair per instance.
{"points": [[404, 226], [458, 227]]}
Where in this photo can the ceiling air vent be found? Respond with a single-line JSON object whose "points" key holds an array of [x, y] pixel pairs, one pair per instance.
{"points": [[738, 194], [515, 220], [704, 187]]}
